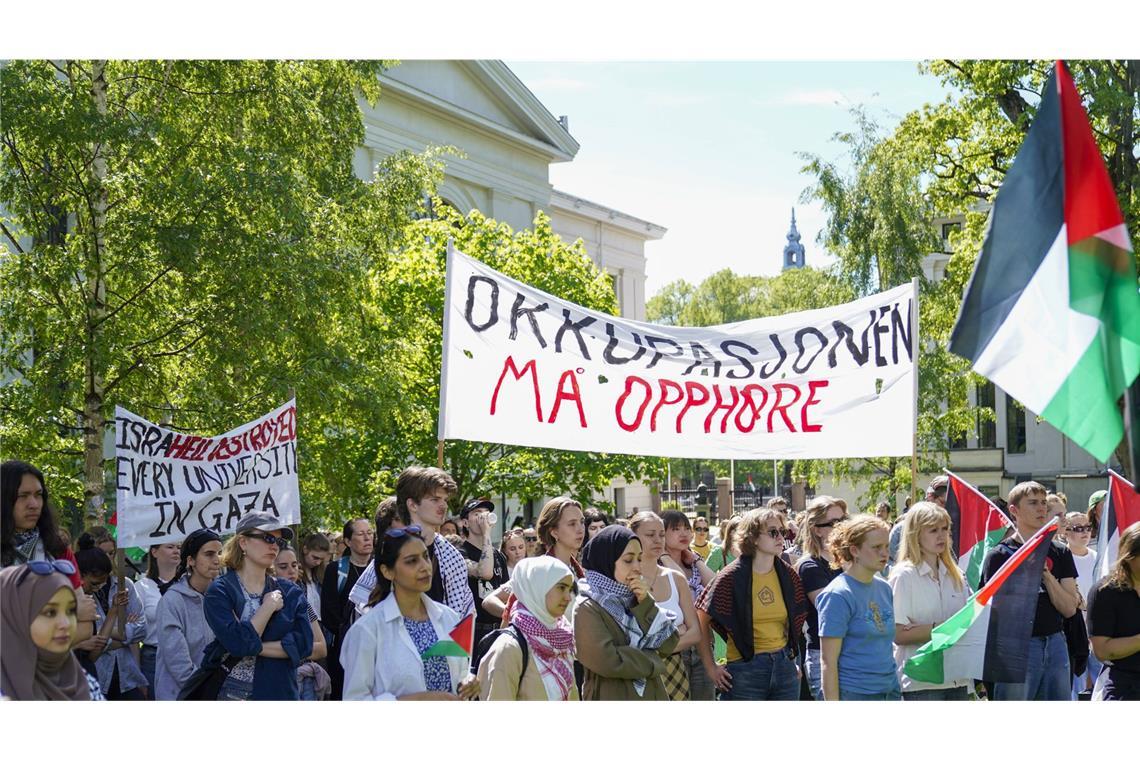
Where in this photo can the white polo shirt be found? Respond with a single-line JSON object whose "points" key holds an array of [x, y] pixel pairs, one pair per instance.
{"points": [[923, 599]]}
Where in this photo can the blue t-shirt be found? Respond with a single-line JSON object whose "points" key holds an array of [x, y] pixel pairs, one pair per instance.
{"points": [[863, 615]]}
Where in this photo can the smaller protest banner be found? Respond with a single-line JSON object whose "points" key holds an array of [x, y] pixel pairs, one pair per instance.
{"points": [[170, 484]]}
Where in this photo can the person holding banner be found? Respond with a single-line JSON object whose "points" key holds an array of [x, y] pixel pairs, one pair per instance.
{"points": [[1114, 623], [928, 588], [856, 616], [120, 676], [385, 654], [1048, 677], [758, 605], [823, 513], [621, 635], [262, 620], [545, 589], [183, 633]]}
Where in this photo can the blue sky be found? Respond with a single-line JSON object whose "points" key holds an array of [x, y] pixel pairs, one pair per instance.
{"points": [[708, 149]]}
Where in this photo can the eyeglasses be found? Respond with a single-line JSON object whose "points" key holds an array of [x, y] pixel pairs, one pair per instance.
{"points": [[44, 567], [1079, 528], [830, 523], [267, 538], [411, 530]]}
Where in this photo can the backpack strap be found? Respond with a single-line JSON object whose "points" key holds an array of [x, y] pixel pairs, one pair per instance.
{"points": [[521, 639], [341, 573]]}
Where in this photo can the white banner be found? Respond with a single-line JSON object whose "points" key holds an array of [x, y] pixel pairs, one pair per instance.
{"points": [[525, 368], [170, 484]]}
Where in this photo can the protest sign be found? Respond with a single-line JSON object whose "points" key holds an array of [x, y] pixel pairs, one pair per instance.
{"points": [[170, 484], [525, 368]]}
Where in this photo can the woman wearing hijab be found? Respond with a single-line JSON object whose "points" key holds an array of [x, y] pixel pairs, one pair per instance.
{"points": [[39, 626], [621, 634], [544, 587]]}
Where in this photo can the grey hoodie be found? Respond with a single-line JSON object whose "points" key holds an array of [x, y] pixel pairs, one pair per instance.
{"points": [[182, 638]]}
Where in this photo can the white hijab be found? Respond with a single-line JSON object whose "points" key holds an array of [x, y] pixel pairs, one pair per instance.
{"points": [[532, 579]]}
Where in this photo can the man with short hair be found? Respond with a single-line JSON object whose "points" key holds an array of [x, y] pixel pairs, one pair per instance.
{"points": [[530, 536], [486, 567], [421, 499], [1047, 678]]}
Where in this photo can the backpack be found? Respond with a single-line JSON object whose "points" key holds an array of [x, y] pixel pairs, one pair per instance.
{"points": [[341, 573], [485, 643]]}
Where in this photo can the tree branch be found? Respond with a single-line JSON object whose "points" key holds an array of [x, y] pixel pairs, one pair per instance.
{"points": [[129, 301]]}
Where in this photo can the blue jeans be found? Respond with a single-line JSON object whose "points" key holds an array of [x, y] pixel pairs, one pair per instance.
{"points": [[814, 674], [953, 694], [235, 691], [147, 659], [887, 696], [768, 676], [1047, 678]]}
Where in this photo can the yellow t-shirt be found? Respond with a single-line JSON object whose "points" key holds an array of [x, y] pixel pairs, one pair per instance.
{"points": [[703, 550], [769, 616]]}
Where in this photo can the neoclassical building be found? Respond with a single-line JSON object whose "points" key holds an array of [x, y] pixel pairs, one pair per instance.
{"points": [[509, 140]]}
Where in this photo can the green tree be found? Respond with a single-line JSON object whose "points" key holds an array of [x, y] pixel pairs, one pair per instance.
{"points": [[188, 239], [407, 303]]}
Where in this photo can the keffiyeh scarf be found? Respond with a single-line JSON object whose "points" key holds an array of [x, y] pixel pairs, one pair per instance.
{"points": [[616, 599], [552, 649]]}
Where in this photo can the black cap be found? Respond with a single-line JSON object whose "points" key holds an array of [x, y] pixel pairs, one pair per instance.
{"points": [[474, 504], [195, 541]]}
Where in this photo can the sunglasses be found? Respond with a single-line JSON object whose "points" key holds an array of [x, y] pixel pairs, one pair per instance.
{"points": [[43, 567], [700, 530], [280, 542], [830, 523], [1079, 529], [411, 530], [531, 539]]}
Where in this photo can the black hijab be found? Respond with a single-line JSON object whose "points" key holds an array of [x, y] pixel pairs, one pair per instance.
{"points": [[601, 552]]}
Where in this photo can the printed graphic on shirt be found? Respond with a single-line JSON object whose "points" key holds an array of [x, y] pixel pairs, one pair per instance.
{"points": [[766, 596], [877, 616]]}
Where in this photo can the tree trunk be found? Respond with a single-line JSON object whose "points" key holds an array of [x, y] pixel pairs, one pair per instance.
{"points": [[94, 419]]}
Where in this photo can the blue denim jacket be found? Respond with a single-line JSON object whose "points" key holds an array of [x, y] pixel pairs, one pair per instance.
{"points": [[273, 678]]}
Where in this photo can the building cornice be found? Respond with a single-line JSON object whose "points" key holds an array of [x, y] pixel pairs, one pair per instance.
{"points": [[597, 212], [497, 75]]}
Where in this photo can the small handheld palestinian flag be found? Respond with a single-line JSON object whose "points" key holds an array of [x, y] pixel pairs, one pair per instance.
{"points": [[976, 526], [988, 639], [458, 643], [1054, 287], [1121, 509]]}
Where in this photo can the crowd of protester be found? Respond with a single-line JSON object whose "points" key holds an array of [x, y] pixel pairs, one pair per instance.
{"points": [[765, 605]]}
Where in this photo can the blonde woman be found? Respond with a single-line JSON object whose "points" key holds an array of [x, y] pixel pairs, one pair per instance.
{"points": [[823, 513], [1114, 623], [856, 615], [928, 588]]}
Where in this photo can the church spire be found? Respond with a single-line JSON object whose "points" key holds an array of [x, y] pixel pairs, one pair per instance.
{"points": [[794, 250]]}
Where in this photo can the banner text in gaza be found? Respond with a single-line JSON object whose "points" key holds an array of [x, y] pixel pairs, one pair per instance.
{"points": [[154, 441], [886, 331]]}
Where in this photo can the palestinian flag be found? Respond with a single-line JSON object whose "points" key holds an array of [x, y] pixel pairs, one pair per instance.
{"points": [[1121, 509], [988, 639], [976, 526], [1052, 313], [458, 643]]}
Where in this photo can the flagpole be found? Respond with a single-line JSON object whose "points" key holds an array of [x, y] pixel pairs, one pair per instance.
{"points": [[446, 350], [1132, 430], [979, 494], [914, 356]]}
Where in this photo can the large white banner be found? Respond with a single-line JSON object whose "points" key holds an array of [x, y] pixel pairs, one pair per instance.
{"points": [[525, 368], [170, 484]]}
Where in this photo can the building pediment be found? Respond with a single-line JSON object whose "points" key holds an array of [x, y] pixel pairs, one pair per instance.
{"points": [[487, 96]]}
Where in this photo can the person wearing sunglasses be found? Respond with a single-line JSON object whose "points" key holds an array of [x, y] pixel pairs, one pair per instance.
{"points": [[701, 544], [39, 626], [823, 513], [260, 619], [533, 547], [383, 653], [757, 604], [1077, 534]]}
